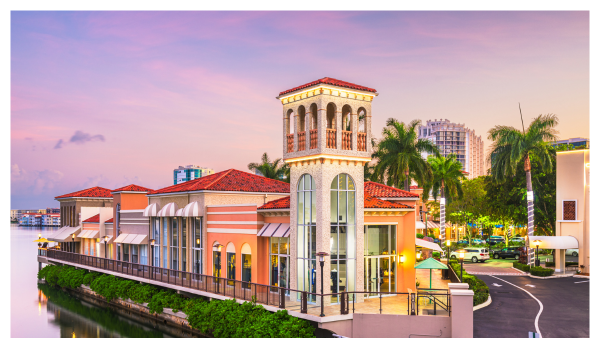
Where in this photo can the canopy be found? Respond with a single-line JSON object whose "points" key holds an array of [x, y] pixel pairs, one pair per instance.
{"points": [[179, 212], [428, 245], [64, 234], [191, 210], [151, 210], [554, 242], [275, 230], [43, 240], [419, 225], [88, 234], [132, 239], [168, 210], [430, 263]]}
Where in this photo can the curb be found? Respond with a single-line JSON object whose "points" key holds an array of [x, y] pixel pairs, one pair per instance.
{"points": [[482, 305], [528, 274], [581, 276]]}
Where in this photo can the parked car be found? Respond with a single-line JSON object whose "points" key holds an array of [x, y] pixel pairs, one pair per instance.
{"points": [[462, 241], [477, 241], [518, 239], [572, 252], [473, 254], [495, 239], [436, 240], [513, 252]]}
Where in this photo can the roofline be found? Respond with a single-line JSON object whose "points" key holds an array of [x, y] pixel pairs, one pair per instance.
{"points": [[388, 209], [327, 86], [217, 191], [75, 197], [398, 198], [129, 192], [273, 209]]}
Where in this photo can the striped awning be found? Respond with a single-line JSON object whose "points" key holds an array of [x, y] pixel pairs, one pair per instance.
{"points": [[88, 234], [132, 239], [179, 212], [168, 210], [65, 235], [275, 230], [121, 238], [191, 210], [433, 225], [151, 210]]}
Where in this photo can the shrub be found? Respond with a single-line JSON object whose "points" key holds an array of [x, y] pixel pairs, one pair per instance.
{"points": [[520, 266], [480, 289], [89, 278], [542, 272], [436, 254], [421, 236]]}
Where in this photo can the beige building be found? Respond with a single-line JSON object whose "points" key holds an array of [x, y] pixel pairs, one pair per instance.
{"points": [[455, 138]]}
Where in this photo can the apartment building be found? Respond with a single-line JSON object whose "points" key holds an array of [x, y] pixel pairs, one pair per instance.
{"points": [[189, 173]]}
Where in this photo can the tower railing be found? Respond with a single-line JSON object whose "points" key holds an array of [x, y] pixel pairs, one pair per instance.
{"points": [[301, 140], [290, 143], [331, 136], [362, 141], [346, 140], [313, 139]]}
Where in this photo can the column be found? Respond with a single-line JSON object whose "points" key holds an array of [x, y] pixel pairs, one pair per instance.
{"points": [[461, 312]]}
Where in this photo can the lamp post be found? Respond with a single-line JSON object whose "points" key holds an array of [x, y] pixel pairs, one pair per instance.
{"points": [[322, 264], [152, 241], [197, 260], [537, 247], [73, 241], [105, 242], [461, 257]]}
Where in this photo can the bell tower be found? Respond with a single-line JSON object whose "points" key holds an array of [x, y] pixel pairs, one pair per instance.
{"points": [[326, 126]]}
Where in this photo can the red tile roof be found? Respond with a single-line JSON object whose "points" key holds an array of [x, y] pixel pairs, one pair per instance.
{"points": [[229, 180], [330, 81], [133, 187], [375, 203], [282, 203], [90, 192], [109, 221], [93, 219], [383, 191]]}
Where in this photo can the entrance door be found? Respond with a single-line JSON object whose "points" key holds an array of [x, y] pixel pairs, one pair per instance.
{"points": [[379, 275]]}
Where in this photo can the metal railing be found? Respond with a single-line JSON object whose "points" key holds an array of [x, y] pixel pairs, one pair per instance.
{"points": [[432, 300], [260, 293]]}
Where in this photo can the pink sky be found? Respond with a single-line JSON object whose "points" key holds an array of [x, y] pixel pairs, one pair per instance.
{"points": [[133, 95]]}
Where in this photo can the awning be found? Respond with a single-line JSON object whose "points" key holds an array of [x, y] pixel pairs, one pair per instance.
{"points": [[433, 225], [275, 230], [428, 245], [65, 235], [191, 210], [168, 210], [554, 242], [420, 225], [53, 235], [139, 239], [89, 234], [121, 238], [179, 212], [151, 210]]}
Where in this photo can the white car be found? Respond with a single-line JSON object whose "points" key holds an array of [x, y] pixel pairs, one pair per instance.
{"points": [[517, 239], [572, 252], [477, 241], [472, 254]]}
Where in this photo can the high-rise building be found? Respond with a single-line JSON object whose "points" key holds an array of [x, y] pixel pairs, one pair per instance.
{"points": [[575, 142], [190, 172], [455, 138]]}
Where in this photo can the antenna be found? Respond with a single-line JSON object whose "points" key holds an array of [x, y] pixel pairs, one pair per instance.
{"points": [[521, 118]]}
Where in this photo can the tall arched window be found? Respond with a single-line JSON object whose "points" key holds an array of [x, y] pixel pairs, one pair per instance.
{"points": [[307, 234], [343, 234], [331, 109]]}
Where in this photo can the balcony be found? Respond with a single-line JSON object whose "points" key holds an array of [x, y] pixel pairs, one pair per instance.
{"points": [[301, 141], [346, 140], [362, 141], [290, 143], [331, 136], [313, 139]]}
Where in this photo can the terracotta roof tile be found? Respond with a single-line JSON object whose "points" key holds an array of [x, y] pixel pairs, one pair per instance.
{"points": [[330, 81], [382, 191], [90, 192], [93, 219], [133, 187], [229, 180], [282, 203], [109, 221], [376, 203]]}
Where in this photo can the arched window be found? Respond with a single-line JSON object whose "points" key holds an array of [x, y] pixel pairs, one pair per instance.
{"points": [[301, 118], [289, 122], [343, 234], [307, 234], [230, 261], [331, 109], [362, 120], [313, 116], [346, 118], [217, 259], [246, 264]]}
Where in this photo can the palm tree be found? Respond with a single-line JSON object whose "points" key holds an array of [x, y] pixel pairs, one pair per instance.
{"points": [[447, 178], [399, 157], [275, 170]]}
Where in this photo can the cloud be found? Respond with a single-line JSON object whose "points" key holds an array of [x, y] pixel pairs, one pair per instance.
{"points": [[34, 182], [80, 138]]}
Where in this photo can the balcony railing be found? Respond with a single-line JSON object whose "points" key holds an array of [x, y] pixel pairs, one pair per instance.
{"points": [[301, 141], [331, 136], [290, 143], [284, 298], [313, 139], [346, 140], [362, 141]]}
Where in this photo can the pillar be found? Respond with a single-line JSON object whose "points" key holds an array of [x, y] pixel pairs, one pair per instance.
{"points": [[461, 315]]}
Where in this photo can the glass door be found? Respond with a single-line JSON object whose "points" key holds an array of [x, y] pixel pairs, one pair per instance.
{"points": [[379, 275]]}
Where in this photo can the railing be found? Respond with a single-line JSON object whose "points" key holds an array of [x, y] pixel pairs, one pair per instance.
{"points": [[454, 276], [301, 141], [265, 294], [346, 140], [362, 141], [430, 300], [331, 136], [290, 143], [313, 139]]}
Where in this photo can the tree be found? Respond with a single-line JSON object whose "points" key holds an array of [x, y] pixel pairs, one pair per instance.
{"points": [[471, 204], [276, 170], [399, 157], [447, 178]]}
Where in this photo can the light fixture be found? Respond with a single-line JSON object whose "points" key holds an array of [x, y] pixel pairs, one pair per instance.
{"points": [[402, 258], [198, 241], [448, 242], [461, 254], [105, 238], [73, 236], [419, 255], [40, 235], [152, 241]]}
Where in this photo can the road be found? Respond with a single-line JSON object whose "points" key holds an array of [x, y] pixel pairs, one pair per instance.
{"points": [[513, 311]]}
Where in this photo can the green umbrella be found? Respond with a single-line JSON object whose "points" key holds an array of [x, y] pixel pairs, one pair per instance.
{"points": [[430, 264]]}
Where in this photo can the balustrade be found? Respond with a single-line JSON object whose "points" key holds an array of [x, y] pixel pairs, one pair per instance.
{"points": [[362, 141], [313, 139], [290, 143], [346, 140], [331, 136], [301, 141]]}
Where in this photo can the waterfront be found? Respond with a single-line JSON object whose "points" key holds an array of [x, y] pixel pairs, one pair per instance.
{"points": [[46, 312]]}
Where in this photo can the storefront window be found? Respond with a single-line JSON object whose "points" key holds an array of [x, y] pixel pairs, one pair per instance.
{"points": [[307, 235], [126, 252], [183, 245], [197, 244], [174, 248]]}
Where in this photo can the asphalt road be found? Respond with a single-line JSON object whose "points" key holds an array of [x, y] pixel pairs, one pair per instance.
{"points": [[513, 312]]}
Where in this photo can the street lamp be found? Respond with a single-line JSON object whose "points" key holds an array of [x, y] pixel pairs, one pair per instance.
{"points": [[40, 235], [322, 263], [73, 238], [537, 247], [461, 257], [105, 241]]}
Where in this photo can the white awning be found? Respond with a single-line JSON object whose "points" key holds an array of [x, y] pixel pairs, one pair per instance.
{"points": [[91, 234], [121, 238], [168, 210], [151, 210], [419, 225], [275, 230], [179, 212], [65, 236], [427, 245], [52, 237], [554, 242], [140, 239], [129, 238], [83, 233], [191, 210]]}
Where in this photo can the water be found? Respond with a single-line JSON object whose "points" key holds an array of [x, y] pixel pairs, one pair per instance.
{"points": [[41, 311]]}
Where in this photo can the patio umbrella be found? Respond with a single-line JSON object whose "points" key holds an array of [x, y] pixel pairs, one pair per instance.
{"points": [[43, 240], [430, 264]]}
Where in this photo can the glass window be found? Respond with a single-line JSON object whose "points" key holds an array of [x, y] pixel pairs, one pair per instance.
{"points": [[246, 268], [307, 235], [231, 265], [126, 252], [134, 253], [144, 254]]}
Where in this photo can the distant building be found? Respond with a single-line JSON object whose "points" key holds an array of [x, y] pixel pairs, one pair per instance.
{"points": [[576, 142], [31, 219], [455, 138], [53, 210], [51, 219], [190, 172]]}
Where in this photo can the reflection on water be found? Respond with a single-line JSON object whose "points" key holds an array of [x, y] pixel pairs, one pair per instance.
{"points": [[43, 311]]}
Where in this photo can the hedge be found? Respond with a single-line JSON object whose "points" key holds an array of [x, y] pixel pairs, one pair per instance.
{"points": [[480, 289], [219, 318], [542, 272], [521, 266]]}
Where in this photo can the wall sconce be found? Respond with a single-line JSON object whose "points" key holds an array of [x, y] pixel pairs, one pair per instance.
{"points": [[402, 258], [198, 241], [218, 246], [419, 255], [152, 241]]}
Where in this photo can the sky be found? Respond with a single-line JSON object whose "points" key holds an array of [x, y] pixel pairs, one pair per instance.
{"points": [[114, 98]]}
